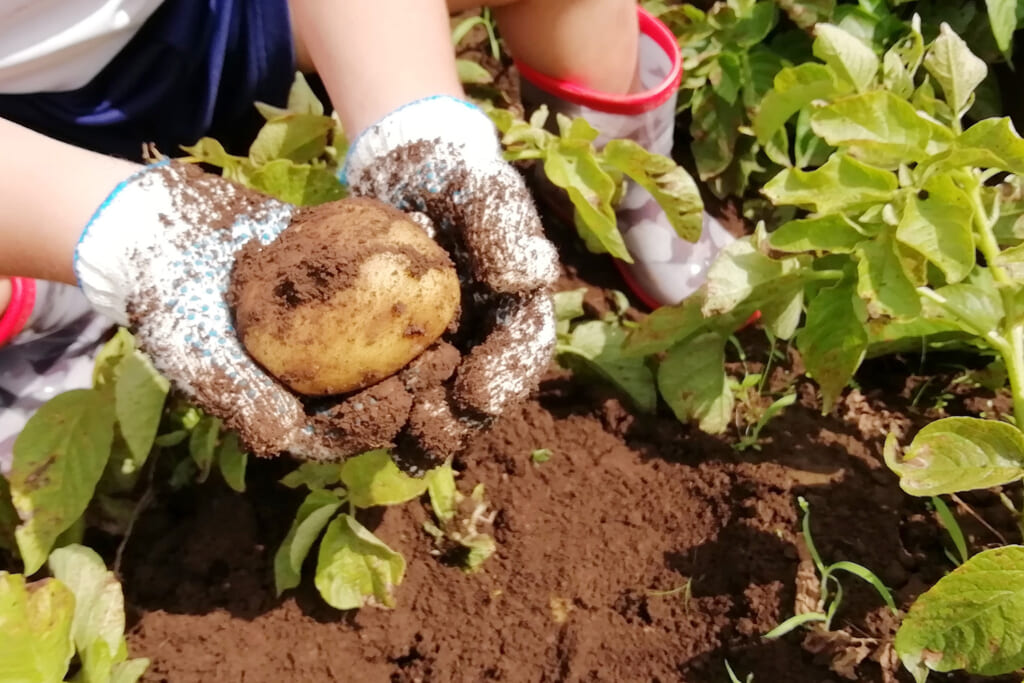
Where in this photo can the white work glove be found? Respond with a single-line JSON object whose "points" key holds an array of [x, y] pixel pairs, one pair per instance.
{"points": [[157, 258], [440, 156]]}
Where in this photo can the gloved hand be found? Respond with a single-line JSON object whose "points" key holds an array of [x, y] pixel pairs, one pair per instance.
{"points": [[441, 156], [157, 258]]}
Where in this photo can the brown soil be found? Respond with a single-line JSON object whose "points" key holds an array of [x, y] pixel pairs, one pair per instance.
{"points": [[626, 507]]}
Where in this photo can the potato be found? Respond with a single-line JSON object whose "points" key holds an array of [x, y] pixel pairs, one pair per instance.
{"points": [[347, 295]]}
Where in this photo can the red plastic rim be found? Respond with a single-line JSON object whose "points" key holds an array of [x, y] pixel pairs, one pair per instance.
{"points": [[23, 299], [634, 103]]}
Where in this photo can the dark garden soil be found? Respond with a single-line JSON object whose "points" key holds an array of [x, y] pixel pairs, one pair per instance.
{"points": [[595, 549]]}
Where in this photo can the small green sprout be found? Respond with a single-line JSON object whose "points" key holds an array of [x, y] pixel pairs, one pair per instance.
{"points": [[831, 588], [733, 678], [952, 527], [541, 455]]}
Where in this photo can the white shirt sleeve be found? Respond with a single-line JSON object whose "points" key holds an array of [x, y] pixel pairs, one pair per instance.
{"points": [[59, 45]]}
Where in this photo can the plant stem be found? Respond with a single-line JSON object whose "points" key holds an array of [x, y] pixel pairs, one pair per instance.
{"points": [[1012, 350]]}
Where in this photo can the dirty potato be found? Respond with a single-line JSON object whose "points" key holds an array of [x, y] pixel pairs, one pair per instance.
{"points": [[345, 296]]}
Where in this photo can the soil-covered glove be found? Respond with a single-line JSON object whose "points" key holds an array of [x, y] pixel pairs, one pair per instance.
{"points": [[157, 257], [441, 156]]}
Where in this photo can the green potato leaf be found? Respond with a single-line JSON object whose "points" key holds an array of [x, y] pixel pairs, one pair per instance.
{"points": [[1002, 15], [310, 519], [833, 233], [854, 62], [794, 89], [202, 444], [480, 548], [99, 618], [896, 78], [444, 495], [991, 143], [978, 309], [842, 184], [569, 304], [715, 131], [36, 622], [808, 148], [58, 460], [755, 22], [355, 568], [471, 72], [669, 184], [313, 475], [373, 478], [110, 356], [574, 168], [99, 602], [596, 347], [693, 382], [301, 184], [807, 13], [882, 281], [232, 460], [666, 326], [741, 272], [833, 340], [129, 671], [292, 136], [139, 395], [958, 454], [880, 129], [956, 69], [972, 619], [937, 223]]}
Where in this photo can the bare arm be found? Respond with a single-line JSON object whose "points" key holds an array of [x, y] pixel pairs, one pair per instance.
{"points": [[393, 52], [49, 191]]}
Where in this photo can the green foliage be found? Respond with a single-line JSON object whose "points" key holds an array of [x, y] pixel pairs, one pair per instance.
{"points": [[882, 253], [354, 568], [593, 349], [539, 456], [728, 67], [89, 442], [295, 156], [58, 460], [958, 454], [79, 610], [831, 588], [971, 619], [373, 479], [593, 178], [457, 533], [97, 628], [36, 622]]}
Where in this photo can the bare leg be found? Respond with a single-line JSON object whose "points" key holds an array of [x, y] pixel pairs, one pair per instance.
{"points": [[5, 294]]}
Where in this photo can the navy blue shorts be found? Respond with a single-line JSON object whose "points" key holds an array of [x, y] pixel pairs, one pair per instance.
{"points": [[194, 69]]}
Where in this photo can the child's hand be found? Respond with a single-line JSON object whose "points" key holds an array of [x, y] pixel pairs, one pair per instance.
{"points": [[157, 257], [441, 156]]}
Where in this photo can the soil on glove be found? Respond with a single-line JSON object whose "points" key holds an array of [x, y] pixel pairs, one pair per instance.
{"points": [[643, 550]]}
